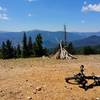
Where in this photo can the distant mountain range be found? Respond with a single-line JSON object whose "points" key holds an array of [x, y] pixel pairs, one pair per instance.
{"points": [[51, 39], [89, 41]]}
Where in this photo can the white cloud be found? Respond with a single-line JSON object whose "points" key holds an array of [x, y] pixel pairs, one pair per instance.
{"points": [[85, 2], [82, 21], [2, 9], [91, 7], [3, 14], [29, 14], [31, 0]]}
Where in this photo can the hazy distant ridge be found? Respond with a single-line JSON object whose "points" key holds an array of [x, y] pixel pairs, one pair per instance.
{"points": [[52, 38]]}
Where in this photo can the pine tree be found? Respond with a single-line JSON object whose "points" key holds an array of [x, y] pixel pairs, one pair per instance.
{"points": [[24, 46], [3, 50], [7, 50], [15, 51], [71, 48], [38, 48], [0, 53], [88, 50], [30, 47], [18, 51]]}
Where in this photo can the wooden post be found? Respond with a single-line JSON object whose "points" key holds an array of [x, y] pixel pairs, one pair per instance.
{"points": [[65, 35]]}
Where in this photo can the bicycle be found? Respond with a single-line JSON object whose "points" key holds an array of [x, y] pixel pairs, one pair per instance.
{"points": [[81, 79]]}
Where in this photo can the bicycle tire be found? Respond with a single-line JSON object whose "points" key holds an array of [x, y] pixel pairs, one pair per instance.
{"points": [[68, 79]]}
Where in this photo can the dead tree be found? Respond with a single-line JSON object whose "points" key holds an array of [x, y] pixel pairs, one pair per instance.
{"points": [[62, 53]]}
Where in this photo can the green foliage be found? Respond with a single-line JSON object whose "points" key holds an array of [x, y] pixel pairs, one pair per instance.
{"points": [[38, 48], [71, 48], [3, 50], [7, 50], [18, 51], [88, 50], [97, 49], [0, 54], [79, 50], [24, 46], [45, 52], [30, 47]]}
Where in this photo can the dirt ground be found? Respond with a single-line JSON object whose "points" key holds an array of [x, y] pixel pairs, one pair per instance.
{"points": [[43, 79]]}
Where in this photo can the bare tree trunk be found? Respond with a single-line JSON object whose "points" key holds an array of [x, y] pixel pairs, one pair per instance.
{"points": [[63, 54]]}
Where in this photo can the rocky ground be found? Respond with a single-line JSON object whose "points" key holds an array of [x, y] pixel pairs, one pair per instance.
{"points": [[43, 79]]}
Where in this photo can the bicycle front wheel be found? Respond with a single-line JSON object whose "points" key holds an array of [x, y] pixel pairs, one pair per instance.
{"points": [[71, 80]]}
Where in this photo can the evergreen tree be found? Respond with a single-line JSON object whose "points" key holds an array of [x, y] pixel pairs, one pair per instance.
{"points": [[18, 51], [24, 46], [3, 50], [15, 51], [71, 48], [38, 48], [7, 50], [30, 47], [88, 50], [0, 53]]}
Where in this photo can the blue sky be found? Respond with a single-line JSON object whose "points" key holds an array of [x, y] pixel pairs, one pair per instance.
{"points": [[78, 15]]}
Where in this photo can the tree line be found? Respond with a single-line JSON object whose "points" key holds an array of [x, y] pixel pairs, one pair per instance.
{"points": [[28, 48], [24, 50], [86, 50]]}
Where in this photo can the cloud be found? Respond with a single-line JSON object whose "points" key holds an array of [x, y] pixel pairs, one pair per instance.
{"points": [[82, 21], [85, 2], [29, 14], [3, 14], [31, 0], [2, 9], [91, 8]]}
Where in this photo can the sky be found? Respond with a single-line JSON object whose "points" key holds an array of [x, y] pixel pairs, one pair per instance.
{"points": [[51, 15]]}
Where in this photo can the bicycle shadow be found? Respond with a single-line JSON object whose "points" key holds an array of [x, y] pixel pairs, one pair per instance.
{"points": [[91, 86]]}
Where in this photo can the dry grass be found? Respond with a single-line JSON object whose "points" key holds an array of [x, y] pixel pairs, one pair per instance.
{"points": [[43, 79]]}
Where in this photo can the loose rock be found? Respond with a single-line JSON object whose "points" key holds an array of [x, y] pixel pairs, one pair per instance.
{"points": [[29, 98]]}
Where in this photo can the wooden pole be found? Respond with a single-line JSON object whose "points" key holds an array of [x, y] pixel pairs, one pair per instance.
{"points": [[65, 35]]}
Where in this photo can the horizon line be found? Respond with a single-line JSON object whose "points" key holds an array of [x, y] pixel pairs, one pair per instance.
{"points": [[47, 30]]}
